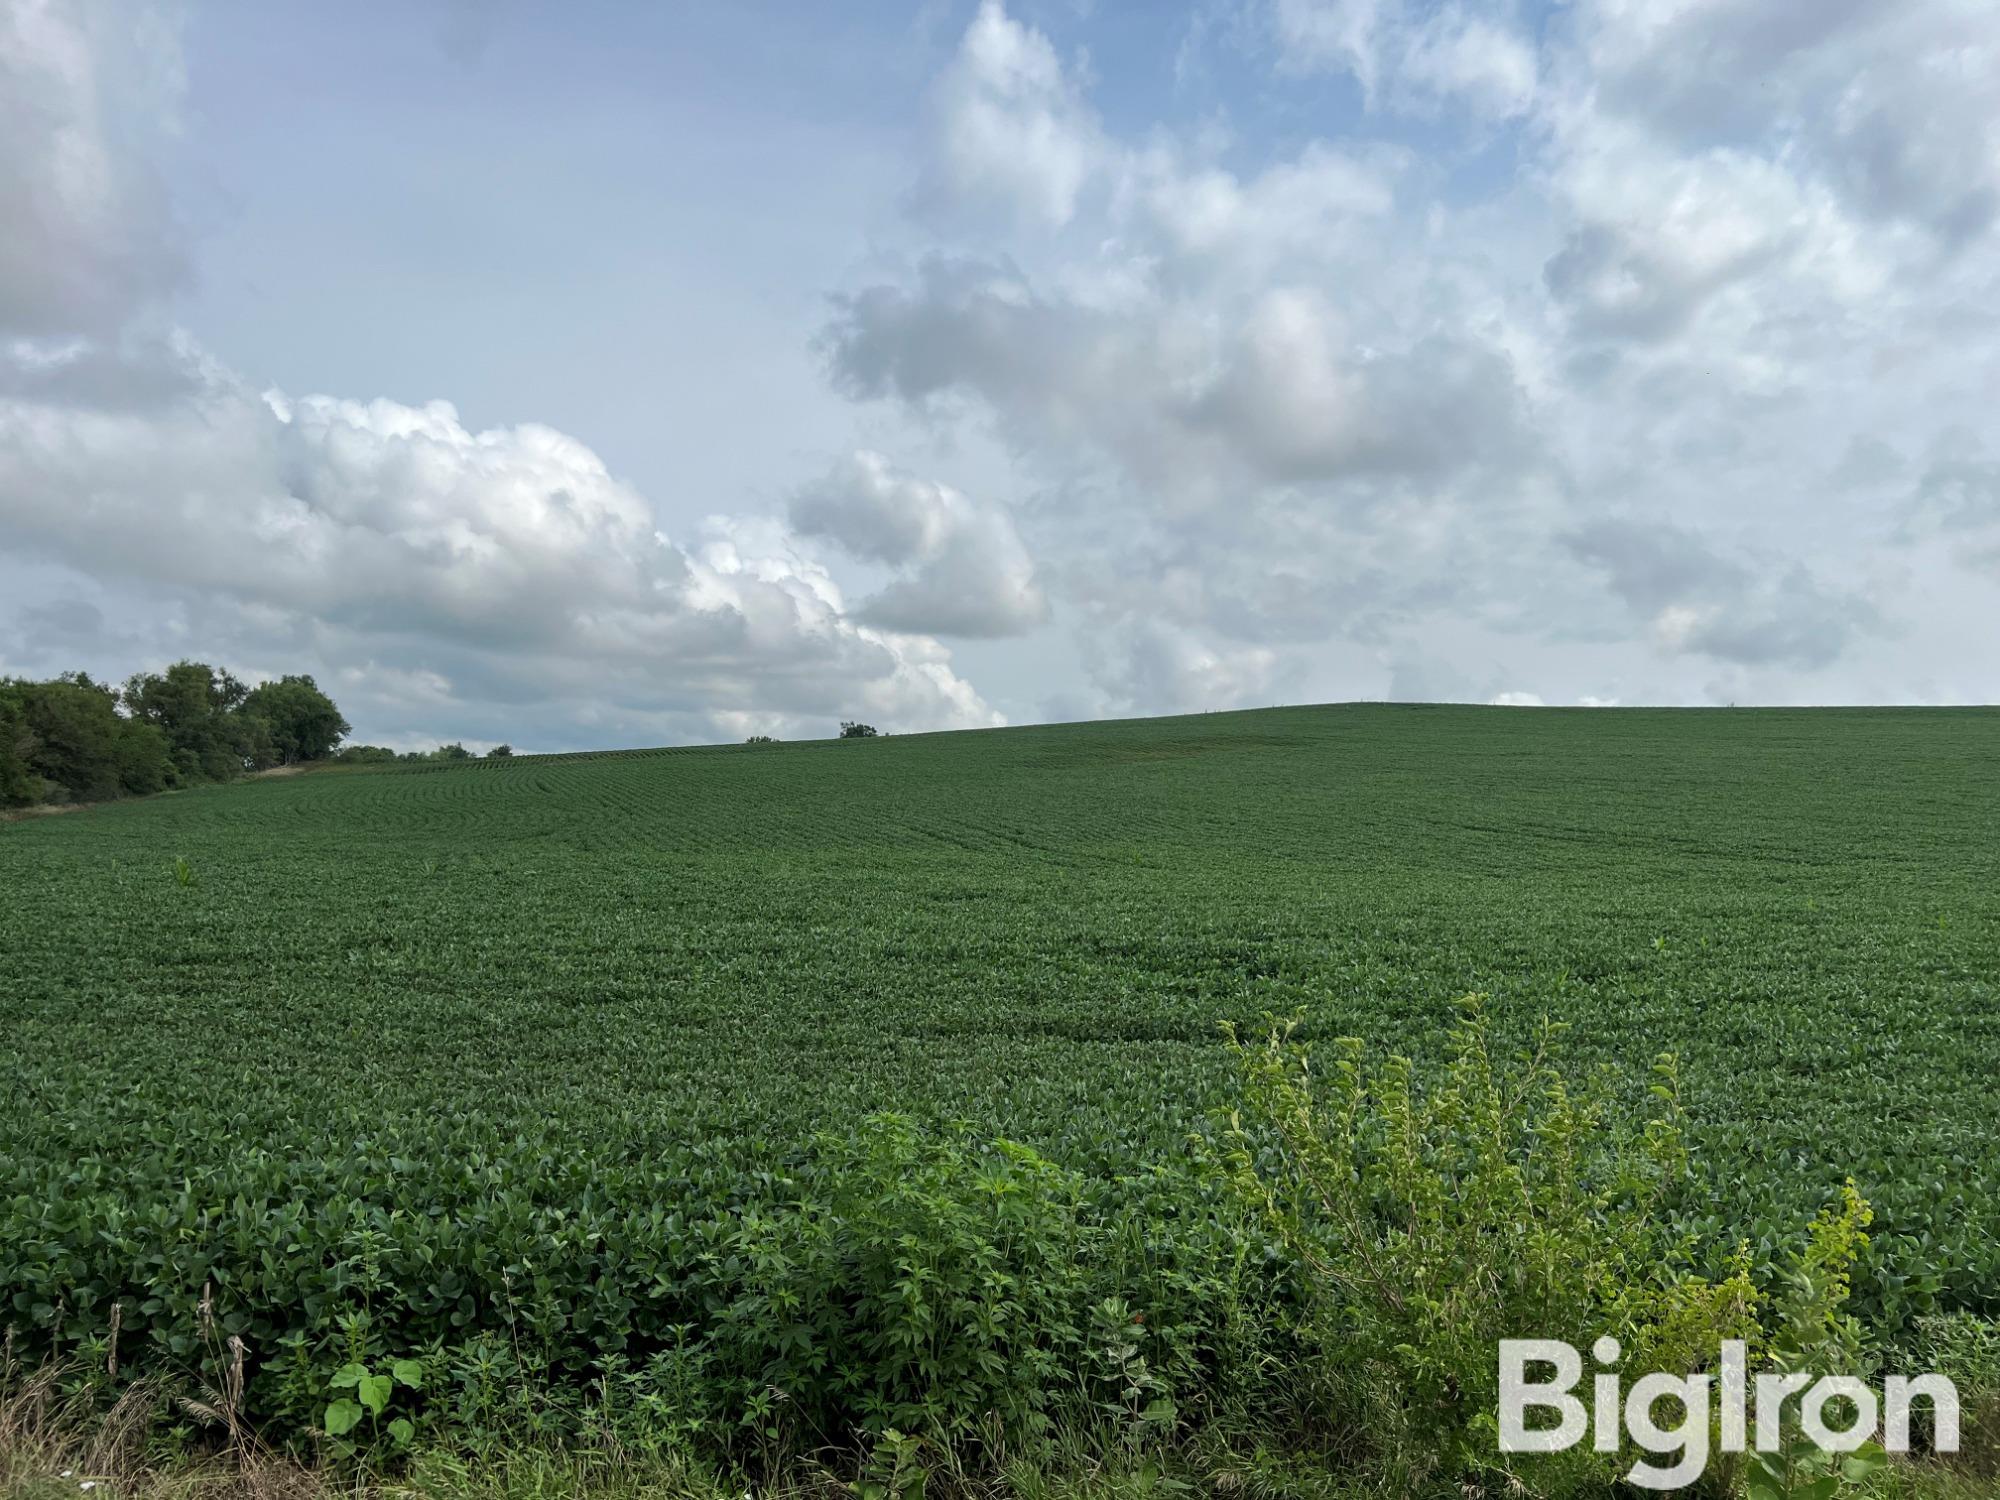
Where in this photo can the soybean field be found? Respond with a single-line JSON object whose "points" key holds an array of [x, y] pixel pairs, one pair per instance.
{"points": [[443, 1012]]}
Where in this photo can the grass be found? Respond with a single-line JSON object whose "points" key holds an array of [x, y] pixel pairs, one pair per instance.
{"points": [[624, 981]]}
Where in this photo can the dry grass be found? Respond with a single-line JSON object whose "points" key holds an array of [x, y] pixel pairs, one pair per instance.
{"points": [[59, 1440], [52, 1449], [43, 810], [57, 1446]]}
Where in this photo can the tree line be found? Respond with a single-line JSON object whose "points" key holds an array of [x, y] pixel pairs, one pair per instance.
{"points": [[74, 739]]}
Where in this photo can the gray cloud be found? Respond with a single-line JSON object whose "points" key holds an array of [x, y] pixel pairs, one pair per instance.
{"points": [[1956, 499], [1684, 68], [1939, 170], [1959, 488], [61, 624], [1698, 601], [89, 236], [1888, 104], [1155, 666], [1281, 394], [961, 568], [1621, 281], [1866, 462]]}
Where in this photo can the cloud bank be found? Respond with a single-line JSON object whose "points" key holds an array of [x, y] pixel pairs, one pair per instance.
{"points": [[1627, 350], [471, 574]]}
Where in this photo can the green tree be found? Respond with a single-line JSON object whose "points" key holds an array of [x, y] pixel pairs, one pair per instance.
{"points": [[300, 721], [849, 730], [74, 725], [500, 752], [67, 736], [17, 784], [145, 765], [195, 706]]}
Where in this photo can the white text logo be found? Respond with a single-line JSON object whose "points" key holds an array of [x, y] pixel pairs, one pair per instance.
{"points": [[1750, 1417]]}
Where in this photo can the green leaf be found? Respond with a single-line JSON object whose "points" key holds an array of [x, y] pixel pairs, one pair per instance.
{"points": [[348, 1375], [1865, 1462], [408, 1372], [341, 1416], [374, 1392], [402, 1430], [1823, 1488]]}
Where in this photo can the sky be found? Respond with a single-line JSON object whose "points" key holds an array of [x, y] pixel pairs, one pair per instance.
{"points": [[607, 375]]}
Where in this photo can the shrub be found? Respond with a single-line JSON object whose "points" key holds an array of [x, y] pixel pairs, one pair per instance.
{"points": [[849, 730], [1429, 1225], [919, 1283]]}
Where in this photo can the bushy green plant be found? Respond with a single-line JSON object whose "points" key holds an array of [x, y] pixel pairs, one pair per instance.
{"points": [[1813, 1333], [918, 1282], [894, 1470], [1433, 1223]]}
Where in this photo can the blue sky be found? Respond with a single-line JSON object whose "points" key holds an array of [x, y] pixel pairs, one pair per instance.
{"points": [[622, 374], [542, 222]]}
